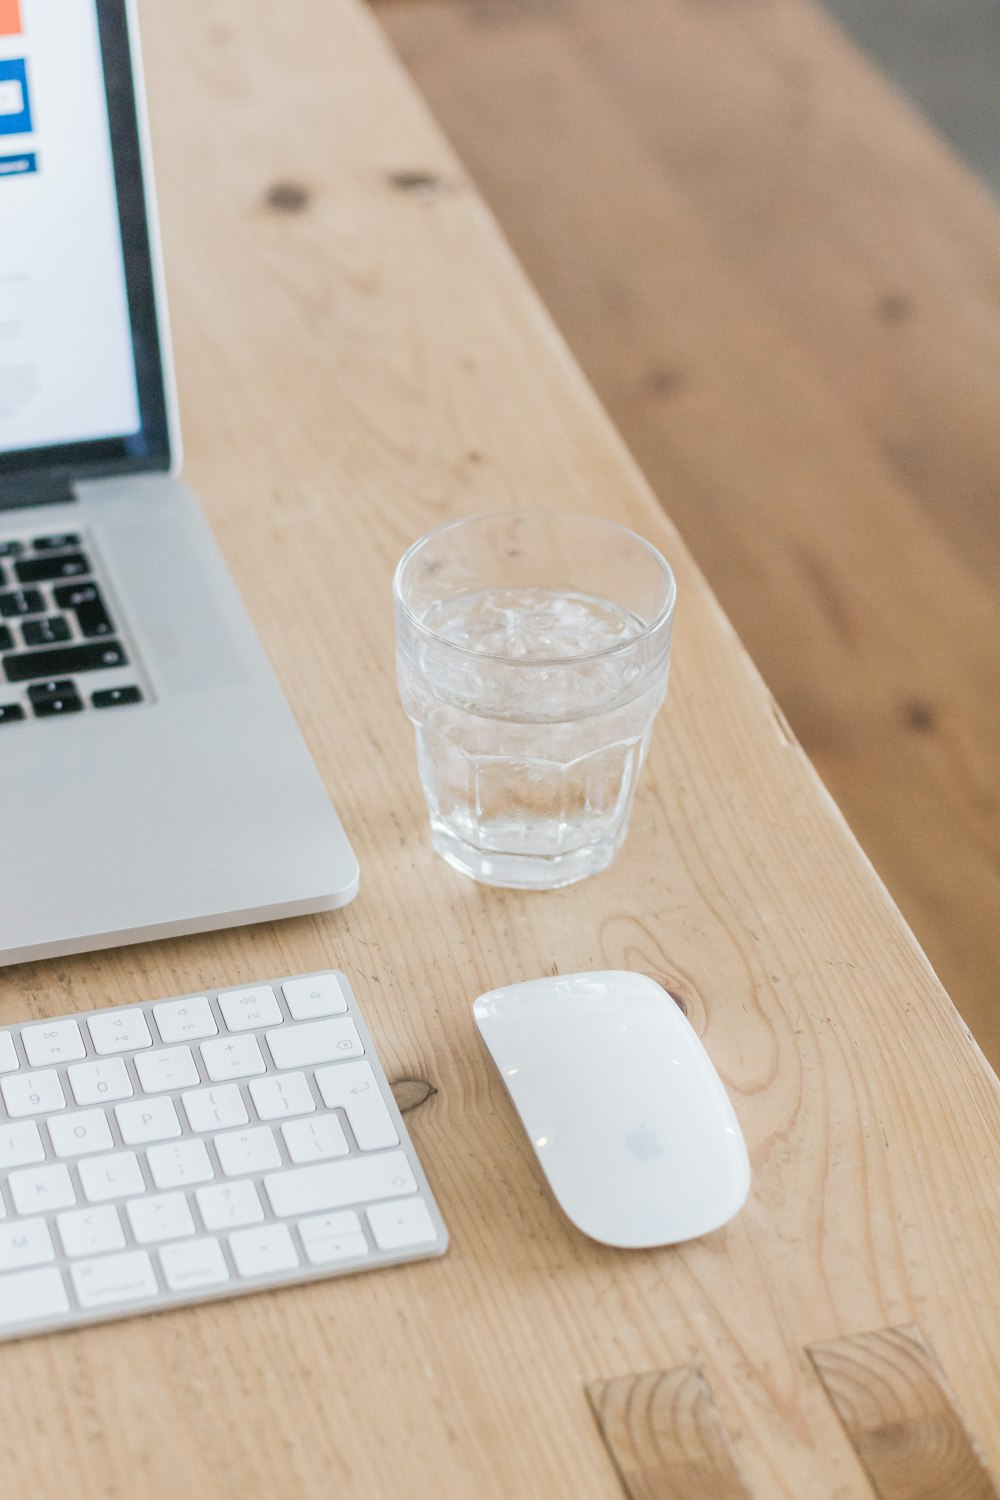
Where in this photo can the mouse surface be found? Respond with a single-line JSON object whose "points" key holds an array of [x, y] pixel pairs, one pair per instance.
{"points": [[627, 1115]]}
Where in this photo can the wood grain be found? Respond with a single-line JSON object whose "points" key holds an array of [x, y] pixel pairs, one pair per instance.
{"points": [[360, 358], [889, 1392], [785, 290], [666, 1437]]}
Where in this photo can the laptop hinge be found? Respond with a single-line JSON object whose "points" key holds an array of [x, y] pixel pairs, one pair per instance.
{"points": [[34, 489]]}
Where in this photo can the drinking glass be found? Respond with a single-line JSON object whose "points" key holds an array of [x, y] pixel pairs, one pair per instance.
{"points": [[532, 651]]}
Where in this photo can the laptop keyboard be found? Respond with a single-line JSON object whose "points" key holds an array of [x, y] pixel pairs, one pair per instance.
{"points": [[60, 649]]}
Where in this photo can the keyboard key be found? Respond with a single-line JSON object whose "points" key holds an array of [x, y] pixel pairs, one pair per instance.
{"points": [[6, 638], [146, 1120], [164, 1216], [52, 1042], [74, 595], [26, 1242], [215, 1109], [280, 1098], [115, 1176], [242, 1010], [193, 1263], [37, 1190], [352, 1087], [11, 713], [80, 1133], [100, 1082], [91, 1231], [229, 1205], [259, 1251], [330, 1237], [57, 542], [49, 708], [94, 620], [233, 1057], [185, 1020], [21, 602], [338, 1184], [39, 692], [31, 1295], [31, 1093], [11, 549], [315, 1140], [47, 632], [20, 1145], [128, 1277], [398, 1225], [315, 1042], [46, 569], [61, 660], [180, 1164], [319, 995], [243, 1151], [169, 1068], [8, 1053], [119, 1031], [116, 697]]}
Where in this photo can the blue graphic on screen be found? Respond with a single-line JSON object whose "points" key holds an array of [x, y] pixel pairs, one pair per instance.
{"points": [[15, 109]]}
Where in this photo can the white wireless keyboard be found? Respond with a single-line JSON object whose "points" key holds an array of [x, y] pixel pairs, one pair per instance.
{"points": [[198, 1147]]}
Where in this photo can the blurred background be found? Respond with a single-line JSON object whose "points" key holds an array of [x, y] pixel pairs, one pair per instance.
{"points": [[849, 517]]}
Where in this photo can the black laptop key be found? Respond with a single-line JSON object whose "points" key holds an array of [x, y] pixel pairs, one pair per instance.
{"points": [[21, 602], [11, 549], [42, 569], [116, 697], [39, 691], [93, 619], [6, 638], [46, 632], [73, 595], [10, 713], [48, 708], [64, 659], [59, 542]]}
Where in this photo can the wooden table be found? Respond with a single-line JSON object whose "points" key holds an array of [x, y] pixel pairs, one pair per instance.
{"points": [[361, 358]]}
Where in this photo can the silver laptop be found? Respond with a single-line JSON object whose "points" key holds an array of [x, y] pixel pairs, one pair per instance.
{"points": [[152, 778]]}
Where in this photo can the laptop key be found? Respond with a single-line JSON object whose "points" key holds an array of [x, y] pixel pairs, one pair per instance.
{"points": [[47, 632], [21, 602], [39, 691], [63, 660], [6, 638], [49, 708], [93, 619], [72, 595], [11, 713], [43, 569], [11, 549], [58, 542], [116, 697]]}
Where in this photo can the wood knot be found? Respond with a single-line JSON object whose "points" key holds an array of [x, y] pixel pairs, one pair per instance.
{"points": [[410, 1093], [895, 307], [422, 184], [662, 380], [287, 197], [919, 716]]}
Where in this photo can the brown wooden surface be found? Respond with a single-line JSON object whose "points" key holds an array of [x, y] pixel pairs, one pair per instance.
{"points": [[888, 1391], [665, 1435], [360, 357], [785, 290]]}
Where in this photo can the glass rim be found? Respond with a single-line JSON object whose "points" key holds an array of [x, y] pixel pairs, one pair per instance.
{"points": [[663, 614]]}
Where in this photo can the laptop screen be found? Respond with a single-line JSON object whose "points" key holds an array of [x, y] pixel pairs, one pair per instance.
{"points": [[81, 384]]}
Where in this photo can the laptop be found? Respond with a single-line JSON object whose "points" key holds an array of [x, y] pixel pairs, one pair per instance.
{"points": [[152, 778]]}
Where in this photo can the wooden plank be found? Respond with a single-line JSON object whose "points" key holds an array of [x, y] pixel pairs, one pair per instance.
{"points": [[891, 1396], [358, 361], [665, 1435], [782, 287]]}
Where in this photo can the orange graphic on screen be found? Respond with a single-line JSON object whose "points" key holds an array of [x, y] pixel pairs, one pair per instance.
{"points": [[10, 17]]}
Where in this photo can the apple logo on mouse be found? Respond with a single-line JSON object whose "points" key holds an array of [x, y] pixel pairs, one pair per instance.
{"points": [[644, 1144]]}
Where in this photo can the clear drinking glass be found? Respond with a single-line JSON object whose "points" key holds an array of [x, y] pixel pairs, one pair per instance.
{"points": [[532, 651]]}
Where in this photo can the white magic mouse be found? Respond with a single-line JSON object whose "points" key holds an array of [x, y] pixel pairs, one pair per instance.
{"points": [[627, 1115]]}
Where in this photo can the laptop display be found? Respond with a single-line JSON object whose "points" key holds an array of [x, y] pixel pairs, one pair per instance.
{"points": [[81, 385]]}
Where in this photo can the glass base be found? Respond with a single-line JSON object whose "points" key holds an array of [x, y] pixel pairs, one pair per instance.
{"points": [[522, 872]]}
